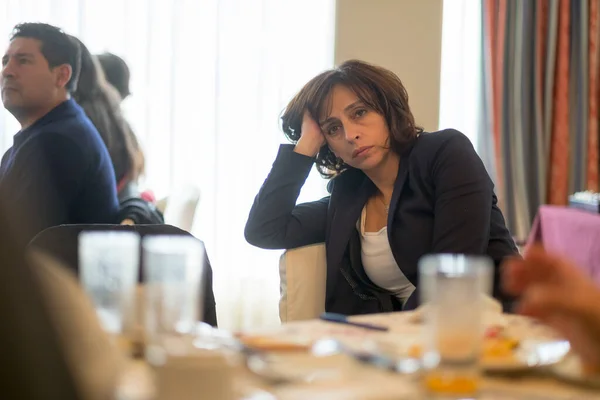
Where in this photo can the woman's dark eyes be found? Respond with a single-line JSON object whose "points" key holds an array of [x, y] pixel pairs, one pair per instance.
{"points": [[332, 130], [360, 112]]}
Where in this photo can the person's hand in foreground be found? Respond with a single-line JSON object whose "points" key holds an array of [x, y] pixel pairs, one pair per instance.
{"points": [[557, 292]]}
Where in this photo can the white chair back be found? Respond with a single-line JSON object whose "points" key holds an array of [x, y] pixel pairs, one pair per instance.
{"points": [[181, 207], [161, 205], [302, 273]]}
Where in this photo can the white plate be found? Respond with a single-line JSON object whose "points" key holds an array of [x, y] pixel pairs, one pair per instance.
{"points": [[539, 346], [529, 354], [570, 369]]}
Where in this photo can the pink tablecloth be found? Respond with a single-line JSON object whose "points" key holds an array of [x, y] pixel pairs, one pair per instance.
{"points": [[572, 233]]}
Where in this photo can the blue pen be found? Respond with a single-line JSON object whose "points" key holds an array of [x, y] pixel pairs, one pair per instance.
{"points": [[342, 319]]}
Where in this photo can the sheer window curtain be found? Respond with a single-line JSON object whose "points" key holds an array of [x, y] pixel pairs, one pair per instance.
{"points": [[209, 80], [459, 83], [463, 94]]}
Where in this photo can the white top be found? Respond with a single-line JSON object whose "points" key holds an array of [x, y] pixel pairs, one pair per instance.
{"points": [[379, 263]]}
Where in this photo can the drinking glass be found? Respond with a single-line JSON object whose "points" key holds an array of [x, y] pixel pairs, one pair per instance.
{"points": [[108, 263], [453, 287], [173, 268]]}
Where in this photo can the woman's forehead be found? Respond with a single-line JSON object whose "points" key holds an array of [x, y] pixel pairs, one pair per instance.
{"points": [[336, 100]]}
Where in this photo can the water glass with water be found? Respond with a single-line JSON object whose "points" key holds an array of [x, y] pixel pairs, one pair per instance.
{"points": [[453, 287], [108, 263], [173, 268]]}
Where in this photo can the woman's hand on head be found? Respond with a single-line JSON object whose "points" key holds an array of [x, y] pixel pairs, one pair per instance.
{"points": [[311, 137]]}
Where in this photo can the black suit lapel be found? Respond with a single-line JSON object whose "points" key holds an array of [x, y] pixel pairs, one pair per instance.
{"points": [[398, 186]]}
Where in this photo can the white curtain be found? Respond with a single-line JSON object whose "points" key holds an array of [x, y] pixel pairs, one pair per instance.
{"points": [[460, 81], [209, 81]]}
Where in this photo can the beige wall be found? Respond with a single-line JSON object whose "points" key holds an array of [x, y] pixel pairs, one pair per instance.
{"points": [[402, 35]]}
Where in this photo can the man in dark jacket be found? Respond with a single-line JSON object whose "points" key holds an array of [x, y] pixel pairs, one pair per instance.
{"points": [[58, 170]]}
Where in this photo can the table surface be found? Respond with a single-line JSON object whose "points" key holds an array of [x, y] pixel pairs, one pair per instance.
{"points": [[360, 381]]}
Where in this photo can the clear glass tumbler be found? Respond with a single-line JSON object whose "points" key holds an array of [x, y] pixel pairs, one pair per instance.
{"points": [[453, 287], [108, 264], [173, 268]]}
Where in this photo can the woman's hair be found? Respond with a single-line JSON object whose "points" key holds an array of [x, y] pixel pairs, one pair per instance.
{"points": [[101, 103], [116, 72], [380, 89]]}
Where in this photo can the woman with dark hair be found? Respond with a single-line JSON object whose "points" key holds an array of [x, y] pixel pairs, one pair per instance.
{"points": [[101, 103], [397, 193]]}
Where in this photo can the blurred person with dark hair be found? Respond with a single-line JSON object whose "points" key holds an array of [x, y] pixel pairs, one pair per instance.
{"points": [[101, 103], [35, 364], [58, 170], [116, 72]]}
